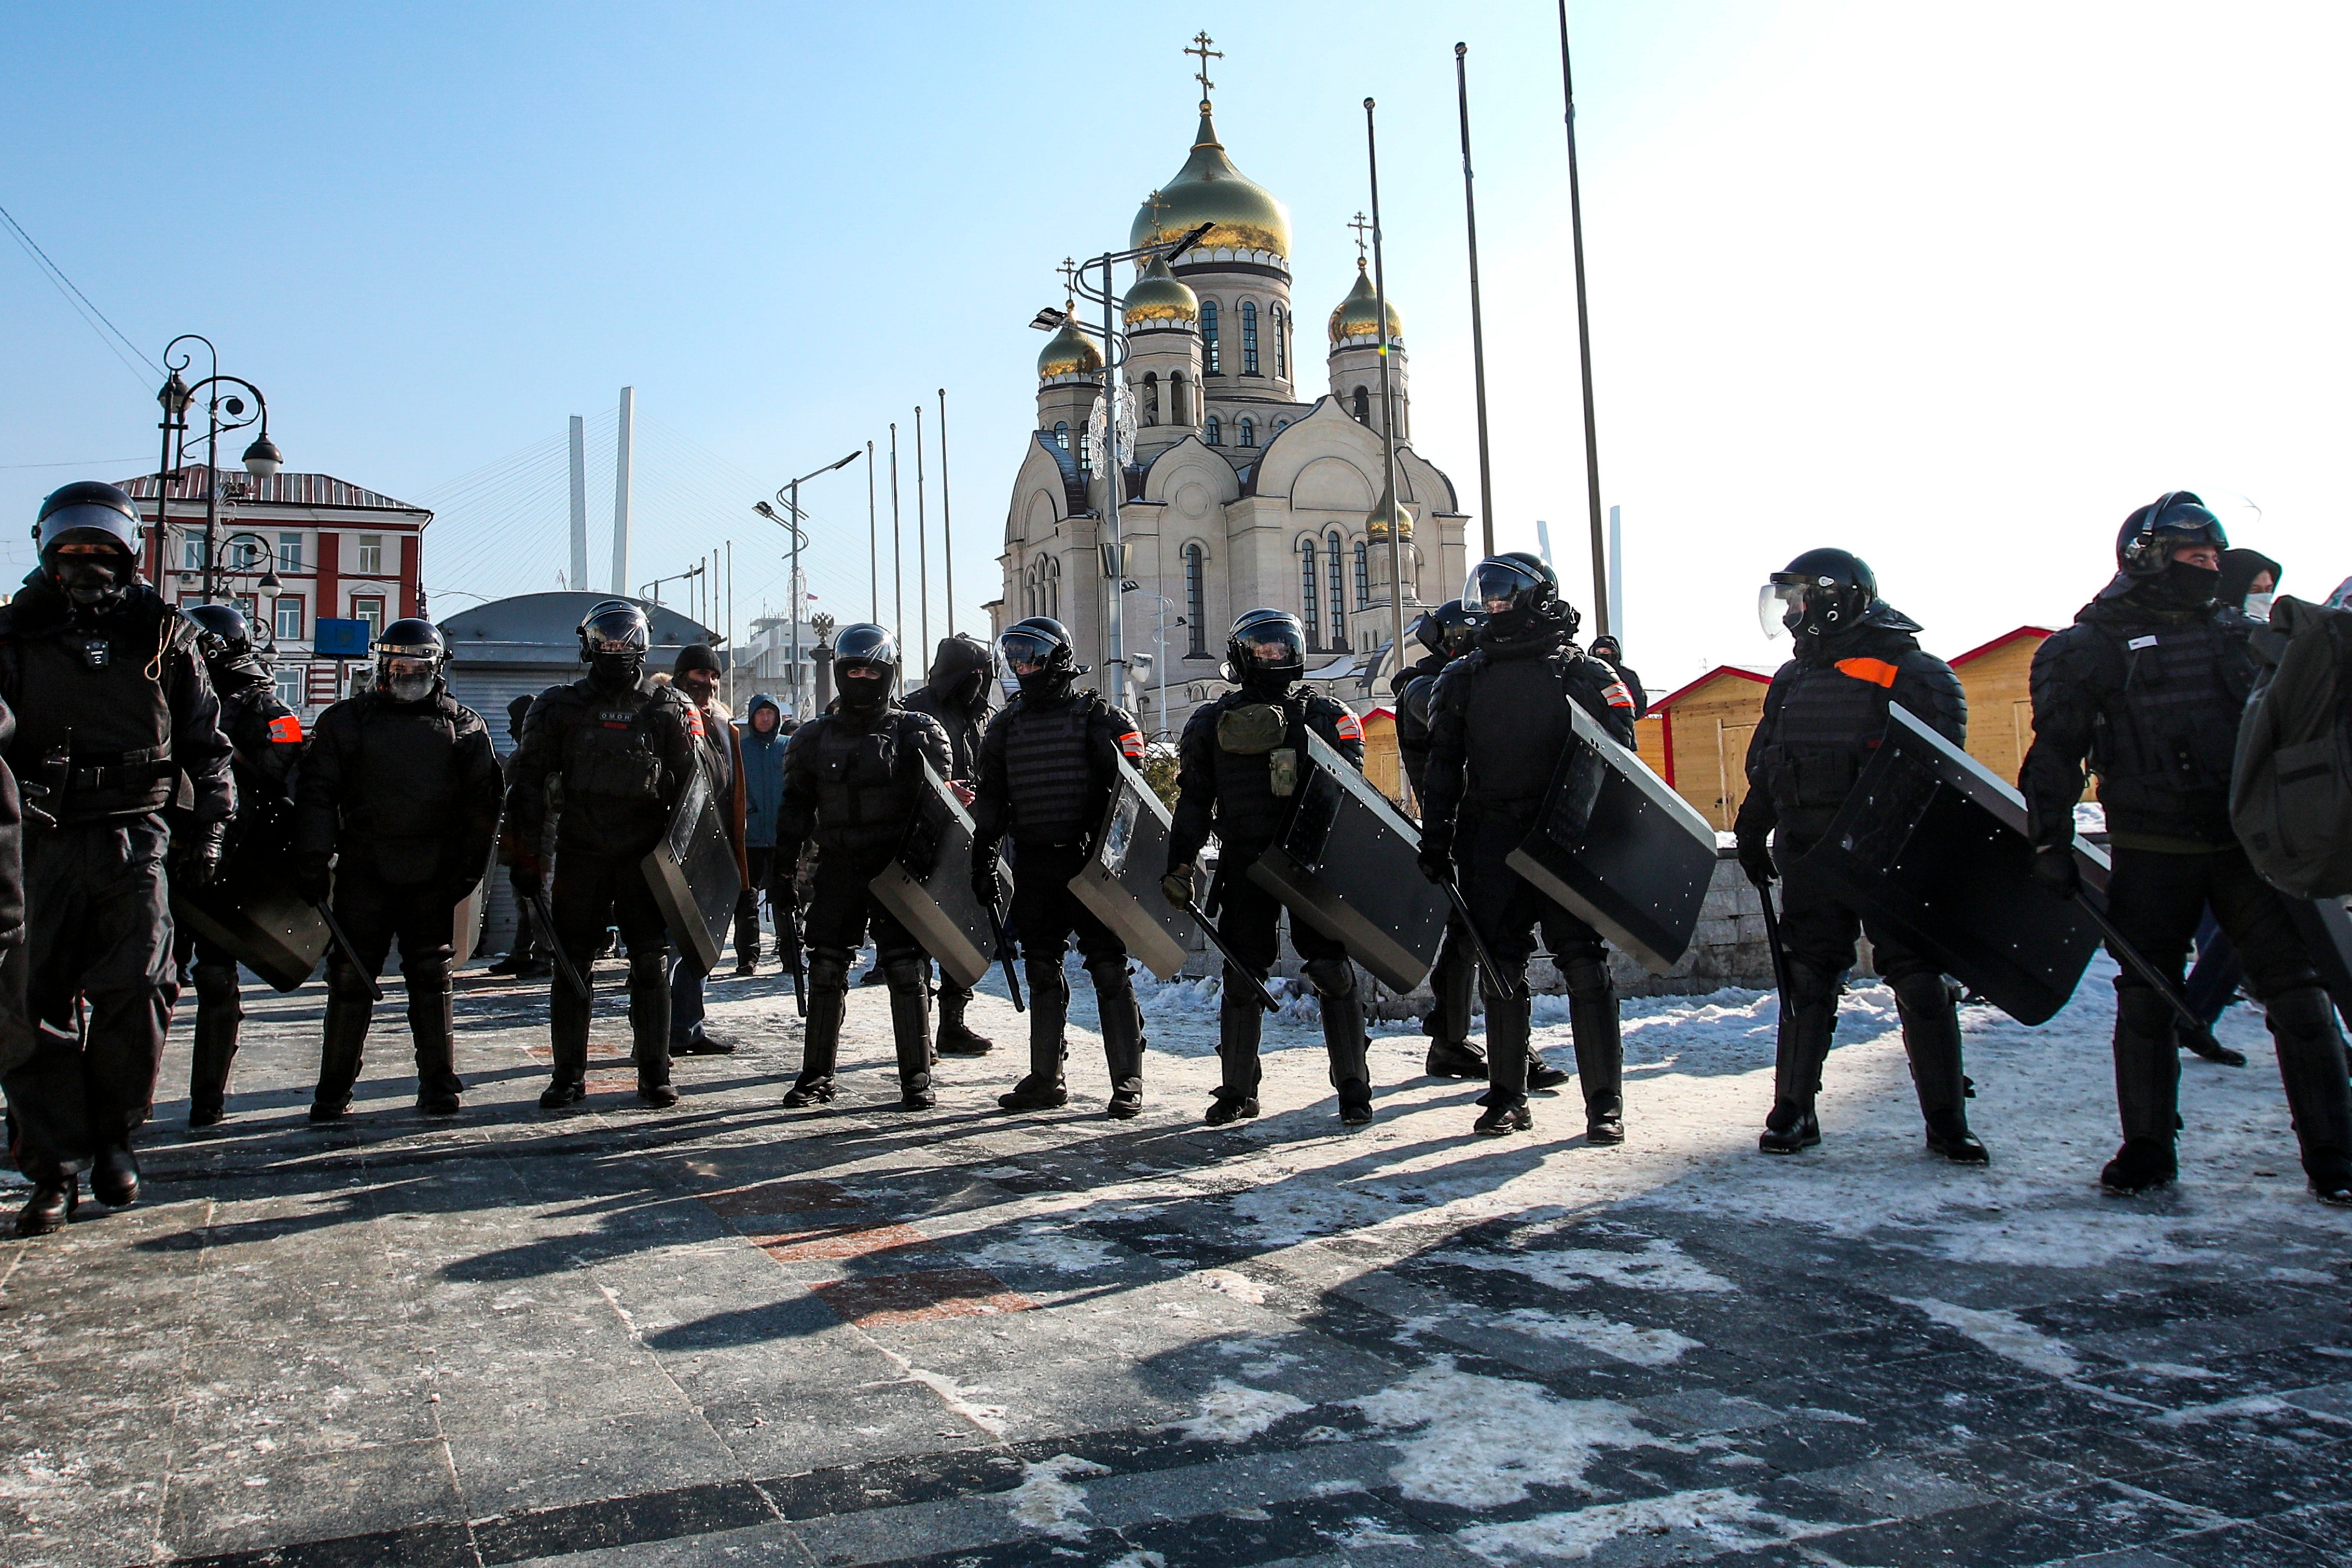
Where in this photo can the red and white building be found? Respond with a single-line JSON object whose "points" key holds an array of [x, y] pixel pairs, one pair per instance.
{"points": [[338, 551]]}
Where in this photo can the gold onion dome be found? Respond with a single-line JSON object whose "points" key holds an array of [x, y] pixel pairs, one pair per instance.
{"points": [[1357, 314], [1069, 352], [1209, 189], [1159, 299], [1387, 514]]}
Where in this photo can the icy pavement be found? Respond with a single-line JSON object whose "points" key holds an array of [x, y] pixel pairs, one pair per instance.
{"points": [[734, 1333]]}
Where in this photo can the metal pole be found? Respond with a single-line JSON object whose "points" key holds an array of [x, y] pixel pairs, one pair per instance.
{"points": [[164, 490], [947, 521], [872, 537], [734, 694], [1115, 641], [922, 541], [1478, 322], [211, 495], [621, 490], [898, 563], [1388, 401], [1584, 339], [798, 712]]}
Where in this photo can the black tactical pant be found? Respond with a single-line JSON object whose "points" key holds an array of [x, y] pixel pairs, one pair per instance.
{"points": [[1045, 914], [763, 862], [1509, 909], [591, 892], [97, 989], [1248, 917], [2156, 901], [374, 913], [220, 1015], [840, 912]]}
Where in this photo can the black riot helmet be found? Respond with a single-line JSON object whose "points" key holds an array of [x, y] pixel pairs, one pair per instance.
{"points": [[1821, 592], [1266, 651], [1446, 631], [1511, 592], [2144, 549], [88, 539], [1036, 655], [864, 666], [222, 635], [409, 657], [614, 638]]}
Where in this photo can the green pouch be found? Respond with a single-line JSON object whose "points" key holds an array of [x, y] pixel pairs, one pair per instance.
{"points": [[1252, 729], [1282, 771]]}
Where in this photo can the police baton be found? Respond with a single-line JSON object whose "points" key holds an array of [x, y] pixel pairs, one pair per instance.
{"points": [[788, 936], [538, 906], [1772, 935], [1005, 956], [351, 953], [1493, 971], [1209, 929], [2138, 962]]}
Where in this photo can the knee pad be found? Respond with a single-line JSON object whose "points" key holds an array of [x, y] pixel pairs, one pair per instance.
{"points": [[1046, 977], [346, 984], [216, 982], [1109, 973], [1331, 977], [828, 970], [1808, 985], [903, 977], [1588, 978], [649, 965]]}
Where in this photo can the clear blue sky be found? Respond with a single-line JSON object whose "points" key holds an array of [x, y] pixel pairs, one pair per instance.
{"points": [[1954, 286]]}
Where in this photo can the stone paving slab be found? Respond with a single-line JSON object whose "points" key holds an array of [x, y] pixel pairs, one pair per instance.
{"points": [[734, 1333]]}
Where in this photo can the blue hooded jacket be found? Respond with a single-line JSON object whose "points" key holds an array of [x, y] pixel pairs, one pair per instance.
{"points": [[763, 775]]}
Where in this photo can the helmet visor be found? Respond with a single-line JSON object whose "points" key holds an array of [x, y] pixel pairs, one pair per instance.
{"points": [[617, 634], [1780, 604], [1025, 653], [93, 525], [1276, 645], [1496, 586]]}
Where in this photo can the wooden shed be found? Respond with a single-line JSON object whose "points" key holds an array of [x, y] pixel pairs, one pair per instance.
{"points": [[1382, 764], [2000, 703], [1697, 739]]}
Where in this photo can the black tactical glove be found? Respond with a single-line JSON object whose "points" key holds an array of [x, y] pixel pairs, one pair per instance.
{"points": [[2054, 868], [783, 885], [311, 879], [1176, 885], [1756, 859], [205, 844], [1437, 857], [986, 886]]}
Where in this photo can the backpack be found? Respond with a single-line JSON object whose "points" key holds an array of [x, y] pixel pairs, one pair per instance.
{"points": [[2291, 786]]}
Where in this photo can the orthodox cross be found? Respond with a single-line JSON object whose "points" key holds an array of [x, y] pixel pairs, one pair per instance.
{"points": [[1361, 228], [1200, 46], [1069, 271]]}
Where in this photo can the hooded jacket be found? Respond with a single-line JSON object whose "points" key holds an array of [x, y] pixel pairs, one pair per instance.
{"points": [[763, 774], [958, 702]]}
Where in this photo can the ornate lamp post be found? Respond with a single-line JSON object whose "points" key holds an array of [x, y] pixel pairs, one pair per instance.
{"points": [[224, 410]]}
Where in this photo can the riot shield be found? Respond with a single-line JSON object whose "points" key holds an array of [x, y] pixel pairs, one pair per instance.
{"points": [[929, 887], [1931, 846], [694, 874], [1618, 848], [1348, 866], [465, 920], [251, 911], [1120, 883]]}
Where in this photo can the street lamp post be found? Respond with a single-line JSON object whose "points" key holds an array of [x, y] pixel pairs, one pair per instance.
{"points": [[262, 458], [789, 495]]}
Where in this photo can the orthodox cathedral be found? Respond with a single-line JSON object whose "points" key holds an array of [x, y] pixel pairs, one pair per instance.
{"points": [[1242, 487]]}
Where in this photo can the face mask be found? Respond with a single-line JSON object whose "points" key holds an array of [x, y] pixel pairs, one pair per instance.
{"points": [[863, 693], [2192, 584], [1045, 683], [89, 582], [970, 688], [617, 669], [2258, 605]]}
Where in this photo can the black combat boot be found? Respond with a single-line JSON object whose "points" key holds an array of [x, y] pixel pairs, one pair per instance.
{"points": [[219, 1012], [649, 1025], [114, 1174], [2311, 1067], [1239, 1017], [1122, 1033], [747, 939], [828, 997], [911, 1032], [2147, 1093], [432, 1027], [1542, 1074], [1931, 1038], [1049, 1012], [1509, 1022], [1808, 1023], [1344, 1040], [56, 1194], [2200, 1043], [340, 1054], [1599, 1046], [567, 1038], [956, 1038]]}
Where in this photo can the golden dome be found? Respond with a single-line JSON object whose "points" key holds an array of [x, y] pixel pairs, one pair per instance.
{"points": [[1069, 352], [1209, 189], [1357, 314], [1387, 514], [1159, 299]]}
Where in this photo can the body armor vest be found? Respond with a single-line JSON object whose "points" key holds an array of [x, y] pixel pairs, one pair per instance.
{"points": [[404, 806], [2167, 724], [1515, 724], [612, 759], [94, 724], [1049, 782], [866, 793], [1249, 812], [1831, 720]]}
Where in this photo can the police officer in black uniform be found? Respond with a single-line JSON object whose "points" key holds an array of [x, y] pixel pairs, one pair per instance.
{"points": [[619, 750], [1446, 633], [956, 694], [2148, 685], [268, 740], [400, 790], [1499, 723], [1823, 716], [1239, 766], [114, 711], [852, 783], [1048, 767]]}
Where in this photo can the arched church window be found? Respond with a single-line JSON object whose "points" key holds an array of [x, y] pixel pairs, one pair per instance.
{"points": [[1043, 593], [1086, 449], [1363, 577], [1280, 425], [1249, 339], [1151, 397], [1363, 406], [1062, 433], [1338, 591], [1179, 401], [1209, 361], [1312, 618], [1216, 432], [1249, 433], [1281, 345], [1196, 603]]}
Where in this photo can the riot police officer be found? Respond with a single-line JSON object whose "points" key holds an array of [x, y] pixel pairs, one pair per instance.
{"points": [[1498, 724], [956, 694], [113, 711], [1446, 633], [621, 751], [1239, 766], [400, 789], [1048, 767], [267, 737], [852, 783], [1823, 715], [2149, 685]]}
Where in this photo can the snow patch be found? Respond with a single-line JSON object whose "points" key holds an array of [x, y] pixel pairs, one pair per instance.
{"points": [[1480, 1442], [1047, 1497], [1046, 1247], [1232, 1413], [1227, 1282], [1724, 1517], [2004, 1333], [1627, 1342], [1660, 1265]]}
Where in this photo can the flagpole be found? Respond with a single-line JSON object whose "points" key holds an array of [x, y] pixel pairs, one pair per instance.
{"points": [[1477, 323], [1584, 344], [922, 542], [1395, 520], [897, 554], [947, 520]]}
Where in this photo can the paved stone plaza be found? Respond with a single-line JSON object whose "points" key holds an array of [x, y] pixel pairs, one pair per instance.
{"points": [[734, 1333]]}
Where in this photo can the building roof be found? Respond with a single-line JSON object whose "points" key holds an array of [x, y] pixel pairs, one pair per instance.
{"points": [[543, 628], [317, 490], [1669, 700], [2038, 634]]}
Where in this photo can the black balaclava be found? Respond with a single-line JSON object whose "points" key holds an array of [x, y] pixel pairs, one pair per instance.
{"points": [[91, 585], [863, 697], [616, 672]]}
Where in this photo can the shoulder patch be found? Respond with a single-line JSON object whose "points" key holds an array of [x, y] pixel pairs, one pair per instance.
{"points": [[1617, 696], [694, 722], [1349, 725], [286, 729], [1131, 746], [1877, 672]]}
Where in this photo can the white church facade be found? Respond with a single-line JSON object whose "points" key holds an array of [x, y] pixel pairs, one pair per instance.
{"points": [[1244, 487]]}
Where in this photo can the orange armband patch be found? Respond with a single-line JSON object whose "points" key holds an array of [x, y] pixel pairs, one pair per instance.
{"points": [[1617, 696], [1131, 746], [286, 728], [1348, 726], [1877, 672]]}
